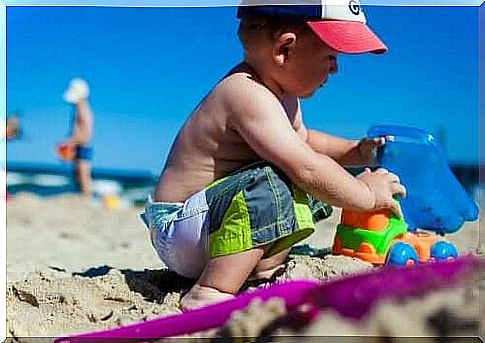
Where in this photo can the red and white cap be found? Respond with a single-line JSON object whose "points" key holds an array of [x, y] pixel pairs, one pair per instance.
{"points": [[341, 24]]}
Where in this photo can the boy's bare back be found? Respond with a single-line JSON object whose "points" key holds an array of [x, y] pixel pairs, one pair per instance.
{"points": [[209, 146]]}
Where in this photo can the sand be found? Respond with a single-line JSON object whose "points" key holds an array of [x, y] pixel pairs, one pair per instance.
{"points": [[73, 266]]}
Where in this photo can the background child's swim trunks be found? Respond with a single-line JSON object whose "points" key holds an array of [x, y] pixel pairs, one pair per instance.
{"points": [[84, 152], [252, 207]]}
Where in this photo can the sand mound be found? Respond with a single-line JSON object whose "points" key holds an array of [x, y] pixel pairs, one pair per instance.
{"points": [[451, 312], [51, 303]]}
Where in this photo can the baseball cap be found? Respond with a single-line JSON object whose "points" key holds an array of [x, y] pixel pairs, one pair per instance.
{"points": [[340, 24]]}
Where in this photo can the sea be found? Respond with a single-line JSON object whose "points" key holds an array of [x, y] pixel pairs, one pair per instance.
{"points": [[46, 180]]}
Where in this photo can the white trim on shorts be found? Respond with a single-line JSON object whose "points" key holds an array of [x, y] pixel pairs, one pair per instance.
{"points": [[181, 239]]}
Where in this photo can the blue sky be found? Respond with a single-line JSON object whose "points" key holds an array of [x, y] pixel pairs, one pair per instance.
{"points": [[149, 67]]}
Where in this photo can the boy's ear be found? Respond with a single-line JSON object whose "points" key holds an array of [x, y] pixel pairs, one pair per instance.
{"points": [[283, 47]]}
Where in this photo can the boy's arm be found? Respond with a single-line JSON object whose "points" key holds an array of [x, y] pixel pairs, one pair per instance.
{"points": [[260, 119], [74, 138], [82, 124], [345, 152]]}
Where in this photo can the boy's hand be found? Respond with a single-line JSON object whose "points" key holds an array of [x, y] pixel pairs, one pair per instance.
{"points": [[383, 185], [368, 149], [65, 151]]}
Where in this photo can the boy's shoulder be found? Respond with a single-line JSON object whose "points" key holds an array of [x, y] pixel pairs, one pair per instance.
{"points": [[240, 79], [241, 86]]}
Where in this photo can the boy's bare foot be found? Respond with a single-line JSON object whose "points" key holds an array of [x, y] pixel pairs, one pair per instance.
{"points": [[200, 296], [223, 277]]}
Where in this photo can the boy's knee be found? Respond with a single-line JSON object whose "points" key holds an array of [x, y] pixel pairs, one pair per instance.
{"points": [[271, 266]]}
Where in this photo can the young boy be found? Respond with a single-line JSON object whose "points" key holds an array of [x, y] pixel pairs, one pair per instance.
{"points": [[77, 94], [234, 194]]}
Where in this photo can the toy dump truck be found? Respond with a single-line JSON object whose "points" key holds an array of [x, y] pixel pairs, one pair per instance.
{"points": [[435, 202], [383, 238]]}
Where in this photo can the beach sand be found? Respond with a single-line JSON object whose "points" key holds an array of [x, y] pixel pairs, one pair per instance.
{"points": [[73, 266]]}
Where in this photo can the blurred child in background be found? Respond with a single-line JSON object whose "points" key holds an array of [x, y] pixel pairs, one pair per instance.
{"points": [[76, 147]]}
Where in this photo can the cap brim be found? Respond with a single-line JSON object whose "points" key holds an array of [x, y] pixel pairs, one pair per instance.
{"points": [[67, 96], [349, 37]]}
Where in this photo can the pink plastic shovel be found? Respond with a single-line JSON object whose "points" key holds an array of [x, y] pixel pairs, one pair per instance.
{"points": [[352, 297]]}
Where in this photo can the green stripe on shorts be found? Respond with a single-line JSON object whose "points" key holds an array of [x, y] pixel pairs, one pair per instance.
{"points": [[257, 206], [234, 235]]}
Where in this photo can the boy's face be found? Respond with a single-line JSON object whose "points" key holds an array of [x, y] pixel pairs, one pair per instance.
{"points": [[307, 66]]}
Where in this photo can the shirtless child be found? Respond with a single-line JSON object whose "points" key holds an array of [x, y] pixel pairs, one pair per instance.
{"points": [[82, 126], [234, 194]]}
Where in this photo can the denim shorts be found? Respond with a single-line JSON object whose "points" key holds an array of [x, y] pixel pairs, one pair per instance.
{"points": [[255, 206], [84, 152]]}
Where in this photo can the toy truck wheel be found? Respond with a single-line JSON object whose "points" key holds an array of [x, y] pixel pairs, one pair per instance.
{"points": [[402, 255], [443, 251]]}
